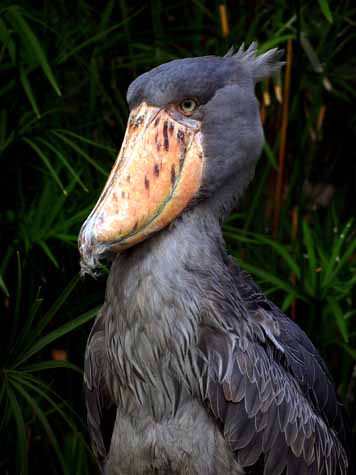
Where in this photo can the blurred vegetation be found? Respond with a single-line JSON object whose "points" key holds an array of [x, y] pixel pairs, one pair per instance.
{"points": [[64, 70]]}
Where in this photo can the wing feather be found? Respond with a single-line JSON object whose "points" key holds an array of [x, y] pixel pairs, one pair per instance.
{"points": [[264, 409], [101, 411]]}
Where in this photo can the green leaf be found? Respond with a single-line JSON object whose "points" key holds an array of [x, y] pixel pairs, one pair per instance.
{"points": [[287, 302], [260, 239], [4, 401], [270, 155], [50, 314], [351, 351], [3, 287], [339, 317], [95, 39], [48, 253], [324, 5], [45, 365], [111, 150], [44, 421], [275, 41], [21, 338], [3, 127], [106, 15], [311, 54], [59, 332], [79, 151], [64, 161], [48, 394], [282, 251], [18, 291], [28, 91], [271, 291], [206, 11], [269, 278], [258, 196], [237, 236], [47, 163], [8, 42], [21, 433], [309, 245], [336, 262], [31, 43]]}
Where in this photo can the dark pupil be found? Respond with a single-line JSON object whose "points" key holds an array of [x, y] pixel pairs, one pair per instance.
{"points": [[188, 104]]}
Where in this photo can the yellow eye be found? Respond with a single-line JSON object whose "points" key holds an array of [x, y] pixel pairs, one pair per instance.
{"points": [[188, 106]]}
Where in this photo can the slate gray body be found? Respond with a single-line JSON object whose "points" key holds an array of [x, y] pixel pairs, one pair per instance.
{"points": [[189, 368]]}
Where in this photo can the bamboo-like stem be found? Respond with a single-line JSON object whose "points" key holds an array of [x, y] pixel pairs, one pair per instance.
{"points": [[263, 113], [223, 20], [320, 120], [282, 147], [293, 277]]}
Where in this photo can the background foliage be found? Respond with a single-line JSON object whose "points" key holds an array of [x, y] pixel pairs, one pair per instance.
{"points": [[64, 73]]}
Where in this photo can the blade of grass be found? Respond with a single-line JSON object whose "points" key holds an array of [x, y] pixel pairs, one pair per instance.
{"points": [[95, 39], [64, 161], [257, 197], [86, 140], [48, 317], [31, 43], [206, 11], [339, 317], [3, 286], [269, 278], [309, 245], [259, 239], [270, 155], [20, 341], [48, 253], [44, 421], [230, 233], [334, 260], [282, 251], [79, 151], [28, 91], [324, 5], [18, 301], [45, 365], [22, 446], [275, 41], [46, 393], [55, 334], [287, 302], [47, 163]]}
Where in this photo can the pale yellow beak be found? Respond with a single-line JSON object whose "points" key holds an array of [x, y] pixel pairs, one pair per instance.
{"points": [[157, 173]]}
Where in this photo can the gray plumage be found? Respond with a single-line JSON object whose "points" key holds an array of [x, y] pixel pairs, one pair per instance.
{"points": [[189, 368]]}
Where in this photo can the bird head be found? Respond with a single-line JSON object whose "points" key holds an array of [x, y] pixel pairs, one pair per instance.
{"points": [[194, 130]]}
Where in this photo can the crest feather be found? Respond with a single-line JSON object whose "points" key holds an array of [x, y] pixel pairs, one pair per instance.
{"points": [[260, 67]]}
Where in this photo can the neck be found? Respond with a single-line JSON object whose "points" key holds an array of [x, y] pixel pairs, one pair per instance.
{"points": [[170, 265], [160, 290]]}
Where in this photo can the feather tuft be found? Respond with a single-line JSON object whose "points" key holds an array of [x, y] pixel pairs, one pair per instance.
{"points": [[260, 66]]}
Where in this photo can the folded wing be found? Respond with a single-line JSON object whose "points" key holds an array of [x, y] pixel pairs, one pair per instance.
{"points": [[273, 396]]}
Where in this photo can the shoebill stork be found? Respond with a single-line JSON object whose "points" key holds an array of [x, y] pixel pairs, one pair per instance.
{"points": [[189, 368]]}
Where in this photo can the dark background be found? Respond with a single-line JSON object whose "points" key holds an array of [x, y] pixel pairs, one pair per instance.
{"points": [[64, 70]]}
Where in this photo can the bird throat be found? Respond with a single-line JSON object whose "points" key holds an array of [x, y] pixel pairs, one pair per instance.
{"points": [[157, 292]]}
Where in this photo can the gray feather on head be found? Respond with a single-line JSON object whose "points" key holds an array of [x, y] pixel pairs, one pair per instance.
{"points": [[260, 66]]}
